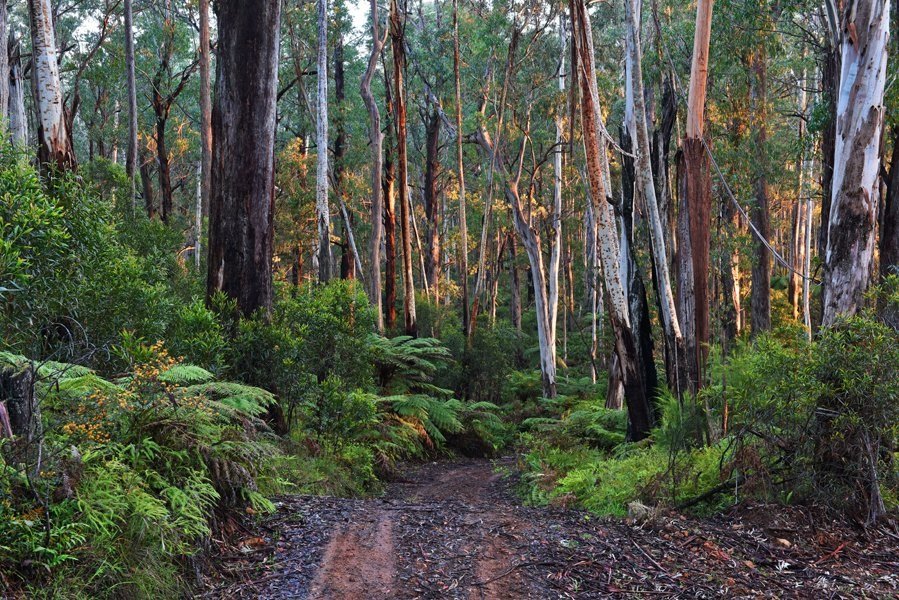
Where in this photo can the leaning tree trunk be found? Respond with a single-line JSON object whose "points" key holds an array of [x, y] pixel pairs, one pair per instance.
{"points": [[321, 256], [636, 123], [860, 111], [55, 142], [640, 414], [399, 65], [376, 143], [243, 174], [18, 118]]}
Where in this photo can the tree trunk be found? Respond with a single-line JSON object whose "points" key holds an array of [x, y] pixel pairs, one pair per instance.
{"points": [[376, 143], [636, 123], [640, 414], [131, 88], [321, 256], [399, 65], [389, 216], [243, 175], [860, 111], [460, 173], [696, 206], [830, 84], [432, 207], [4, 65], [205, 114], [19, 406], [761, 265], [18, 118], [514, 283], [889, 230], [147, 186], [55, 142]]}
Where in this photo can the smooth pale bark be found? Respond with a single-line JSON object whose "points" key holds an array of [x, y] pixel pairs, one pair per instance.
{"points": [[321, 254], [640, 414], [556, 218], [860, 112], [591, 274], [376, 143], [644, 173], [4, 66], [55, 142], [399, 65], [18, 118], [243, 173], [460, 174], [760, 298], [205, 113], [198, 216], [131, 89]]}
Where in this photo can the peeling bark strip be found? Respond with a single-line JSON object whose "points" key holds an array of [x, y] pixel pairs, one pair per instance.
{"points": [[55, 144], [18, 118], [243, 169], [640, 415], [850, 240]]}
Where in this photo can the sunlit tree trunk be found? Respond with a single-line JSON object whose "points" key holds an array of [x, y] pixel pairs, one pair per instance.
{"points": [[640, 413], [399, 65], [131, 85], [644, 177], [243, 174], [694, 222], [55, 142], [376, 143], [555, 248], [860, 112], [321, 255]]}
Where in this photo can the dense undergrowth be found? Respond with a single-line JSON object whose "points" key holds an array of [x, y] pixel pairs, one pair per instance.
{"points": [[161, 417]]}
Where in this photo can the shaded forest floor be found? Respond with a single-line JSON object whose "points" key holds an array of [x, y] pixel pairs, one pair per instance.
{"points": [[456, 530]]}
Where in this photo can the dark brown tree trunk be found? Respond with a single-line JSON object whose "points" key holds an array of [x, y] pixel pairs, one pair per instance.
{"points": [[19, 406], [397, 29], [889, 228], [761, 266], [432, 204], [389, 216], [162, 163], [243, 174], [146, 180], [205, 110], [347, 260]]}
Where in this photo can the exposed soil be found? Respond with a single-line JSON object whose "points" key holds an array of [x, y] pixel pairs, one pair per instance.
{"points": [[455, 530]]}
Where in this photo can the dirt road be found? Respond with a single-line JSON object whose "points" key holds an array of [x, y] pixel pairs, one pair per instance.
{"points": [[453, 530]]}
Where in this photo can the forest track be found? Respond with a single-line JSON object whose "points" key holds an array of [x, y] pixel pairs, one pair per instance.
{"points": [[454, 530]]}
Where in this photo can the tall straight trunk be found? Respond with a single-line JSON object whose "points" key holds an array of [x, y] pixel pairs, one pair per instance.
{"points": [[798, 241], [399, 65], [761, 265], [321, 256], [131, 149], [694, 216], [860, 111], [55, 142], [644, 178], [514, 283], [243, 175], [205, 112], [146, 180], [18, 118], [460, 174], [198, 216], [640, 414], [432, 206], [376, 143], [4, 65], [830, 84], [162, 160], [348, 253], [555, 242], [591, 276], [889, 230], [389, 215]]}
